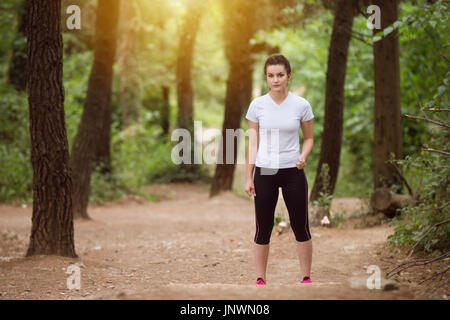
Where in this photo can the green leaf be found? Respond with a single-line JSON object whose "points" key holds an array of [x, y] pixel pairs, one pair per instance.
{"points": [[378, 34], [376, 38], [388, 30], [437, 14]]}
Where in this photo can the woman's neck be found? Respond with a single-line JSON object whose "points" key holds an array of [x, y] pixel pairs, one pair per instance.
{"points": [[279, 96]]}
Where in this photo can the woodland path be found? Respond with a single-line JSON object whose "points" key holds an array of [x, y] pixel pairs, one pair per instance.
{"points": [[188, 246]]}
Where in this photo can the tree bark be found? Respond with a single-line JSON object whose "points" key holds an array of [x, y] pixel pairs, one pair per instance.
{"points": [[387, 112], [17, 73], [330, 150], [52, 229], [165, 88], [238, 31], [128, 60], [185, 93], [165, 110], [96, 118]]}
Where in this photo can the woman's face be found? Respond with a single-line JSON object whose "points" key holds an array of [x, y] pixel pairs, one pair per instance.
{"points": [[277, 77]]}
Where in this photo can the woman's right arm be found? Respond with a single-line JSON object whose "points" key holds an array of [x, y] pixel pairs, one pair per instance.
{"points": [[253, 144]]}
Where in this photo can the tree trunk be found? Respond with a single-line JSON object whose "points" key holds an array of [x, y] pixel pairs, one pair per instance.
{"points": [[387, 112], [165, 110], [165, 88], [238, 32], [17, 73], [185, 94], [103, 148], [96, 117], [334, 98], [52, 229], [128, 60]]}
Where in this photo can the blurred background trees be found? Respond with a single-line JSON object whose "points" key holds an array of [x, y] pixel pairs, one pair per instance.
{"points": [[175, 65]]}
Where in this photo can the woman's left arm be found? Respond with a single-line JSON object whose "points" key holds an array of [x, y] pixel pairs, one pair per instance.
{"points": [[308, 142], [308, 138]]}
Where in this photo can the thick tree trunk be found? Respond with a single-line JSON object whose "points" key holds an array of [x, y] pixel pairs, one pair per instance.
{"points": [[334, 97], [224, 174], [185, 94], [17, 73], [387, 113], [52, 229], [103, 148], [165, 110], [238, 32], [96, 117], [128, 60], [165, 88]]}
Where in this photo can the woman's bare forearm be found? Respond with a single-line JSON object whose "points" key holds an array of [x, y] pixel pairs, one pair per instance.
{"points": [[250, 160], [307, 147], [249, 170], [251, 154]]}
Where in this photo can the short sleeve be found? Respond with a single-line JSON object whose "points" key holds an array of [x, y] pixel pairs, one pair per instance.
{"points": [[251, 113], [307, 112]]}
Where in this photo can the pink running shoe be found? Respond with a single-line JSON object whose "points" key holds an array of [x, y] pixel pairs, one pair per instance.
{"points": [[260, 282], [306, 280]]}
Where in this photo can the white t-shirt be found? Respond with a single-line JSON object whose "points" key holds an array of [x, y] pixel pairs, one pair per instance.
{"points": [[279, 145]]}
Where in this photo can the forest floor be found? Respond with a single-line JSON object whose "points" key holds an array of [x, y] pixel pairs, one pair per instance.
{"points": [[189, 246]]}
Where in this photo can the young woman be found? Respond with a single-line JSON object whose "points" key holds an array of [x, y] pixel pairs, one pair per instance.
{"points": [[274, 152]]}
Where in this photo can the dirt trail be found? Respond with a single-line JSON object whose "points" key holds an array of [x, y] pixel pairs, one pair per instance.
{"points": [[187, 246]]}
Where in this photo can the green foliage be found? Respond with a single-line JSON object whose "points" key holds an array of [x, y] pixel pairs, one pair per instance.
{"points": [[140, 156], [15, 169], [210, 71], [422, 66], [279, 217], [337, 218], [75, 79], [428, 174], [414, 221], [16, 174], [105, 187], [8, 27]]}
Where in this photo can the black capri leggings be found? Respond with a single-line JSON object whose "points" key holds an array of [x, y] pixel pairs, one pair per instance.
{"points": [[295, 194]]}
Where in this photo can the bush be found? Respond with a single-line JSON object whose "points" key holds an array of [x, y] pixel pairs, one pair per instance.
{"points": [[432, 208], [16, 175], [15, 170], [105, 187], [140, 155]]}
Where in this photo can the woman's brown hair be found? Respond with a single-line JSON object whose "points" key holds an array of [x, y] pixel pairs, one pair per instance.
{"points": [[277, 59]]}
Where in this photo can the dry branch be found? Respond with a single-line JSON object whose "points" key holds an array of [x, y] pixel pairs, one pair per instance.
{"points": [[426, 233], [410, 190], [415, 263], [429, 120], [437, 151], [435, 275], [439, 109]]}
